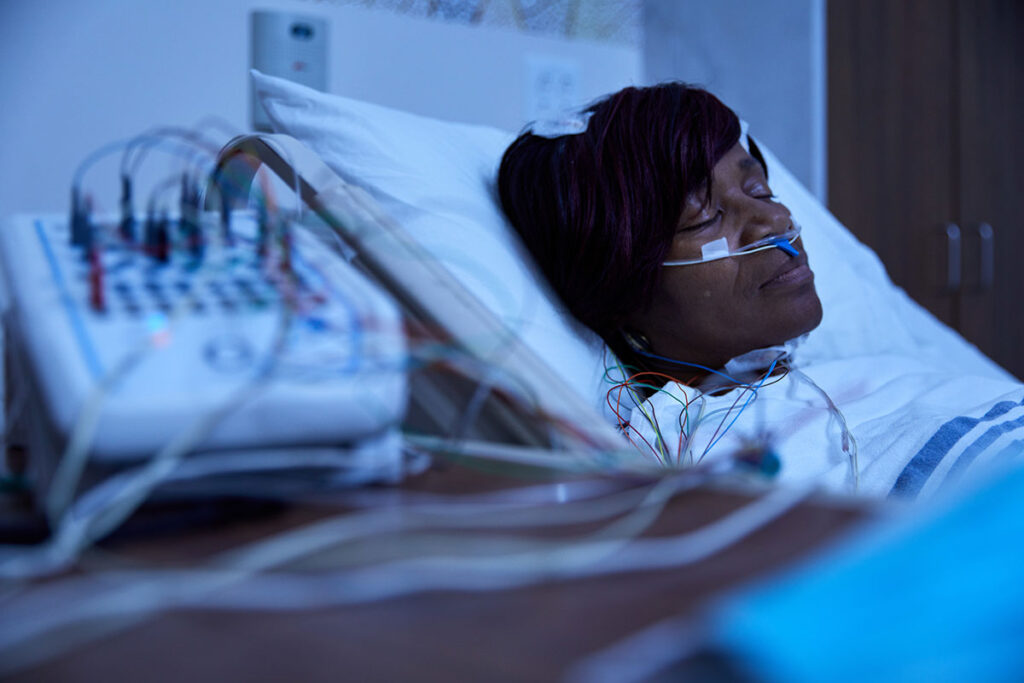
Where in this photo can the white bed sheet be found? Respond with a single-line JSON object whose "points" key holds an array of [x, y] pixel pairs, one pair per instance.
{"points": [[917, 427]]}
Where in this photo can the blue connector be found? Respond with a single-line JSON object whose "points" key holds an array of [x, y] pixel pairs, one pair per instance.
{"points": [[783, 244]]}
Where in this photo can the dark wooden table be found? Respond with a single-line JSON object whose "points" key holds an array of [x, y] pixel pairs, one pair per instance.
{"points": [[531, 633]]}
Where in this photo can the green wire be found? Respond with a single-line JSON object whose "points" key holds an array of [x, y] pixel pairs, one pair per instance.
{"points": [[684, 417]]}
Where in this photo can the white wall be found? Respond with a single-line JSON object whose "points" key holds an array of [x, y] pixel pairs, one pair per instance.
{"points": [[765, 59], [76, 74]]}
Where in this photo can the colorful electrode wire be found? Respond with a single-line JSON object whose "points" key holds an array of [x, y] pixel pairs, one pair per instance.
{"points": [[632, 382]]}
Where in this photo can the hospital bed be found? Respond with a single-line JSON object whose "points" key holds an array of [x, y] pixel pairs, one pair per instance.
{"points": [[876, 350], [512, 376], [521, 385]]}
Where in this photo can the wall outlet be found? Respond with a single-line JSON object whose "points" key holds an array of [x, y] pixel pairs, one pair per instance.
{"points": [[552, 86], [292, 46]]}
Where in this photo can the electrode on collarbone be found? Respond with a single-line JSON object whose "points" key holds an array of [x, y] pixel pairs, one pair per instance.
{"points": [[719, 248]]}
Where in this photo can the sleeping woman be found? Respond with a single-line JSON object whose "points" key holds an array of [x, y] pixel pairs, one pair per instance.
{"points": [[653, 219]]}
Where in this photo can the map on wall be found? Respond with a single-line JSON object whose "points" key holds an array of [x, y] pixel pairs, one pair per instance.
{"points": [[614, 21]]}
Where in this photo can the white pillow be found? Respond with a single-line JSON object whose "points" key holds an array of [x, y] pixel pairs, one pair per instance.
{"points": [[437, 179]]}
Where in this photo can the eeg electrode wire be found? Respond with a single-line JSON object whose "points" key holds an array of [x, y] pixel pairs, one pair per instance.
{"points": [[233, 580], [122, 598], [613, 549], [450, 352], [643, 406], [77, 526], [73, 459]]}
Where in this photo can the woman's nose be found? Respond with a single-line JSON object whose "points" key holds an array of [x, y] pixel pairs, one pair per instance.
{"points": [[767, 218]]}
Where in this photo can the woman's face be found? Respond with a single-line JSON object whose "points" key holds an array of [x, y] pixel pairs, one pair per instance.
{"points": [[710, 312]]}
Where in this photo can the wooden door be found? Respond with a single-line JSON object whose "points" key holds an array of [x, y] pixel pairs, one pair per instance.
{"points": [[991, 80], [925, 147], [892, 136]]}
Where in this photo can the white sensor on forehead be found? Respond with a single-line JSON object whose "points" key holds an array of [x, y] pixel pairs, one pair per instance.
{"points": [[565, 123], [715, 249]]}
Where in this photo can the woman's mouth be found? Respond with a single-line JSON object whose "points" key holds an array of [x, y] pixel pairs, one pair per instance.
{"points": [[793, 274]]}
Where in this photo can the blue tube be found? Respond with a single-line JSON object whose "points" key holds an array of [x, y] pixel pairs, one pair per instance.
{"points": [[784, 244]]}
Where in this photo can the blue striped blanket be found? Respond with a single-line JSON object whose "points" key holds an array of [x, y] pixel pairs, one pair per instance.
{"points": [[912, 428]]}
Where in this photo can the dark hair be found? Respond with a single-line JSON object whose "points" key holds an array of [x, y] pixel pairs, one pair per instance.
{"points": [[598, 209]]}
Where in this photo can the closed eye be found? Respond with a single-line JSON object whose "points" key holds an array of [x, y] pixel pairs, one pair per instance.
{"points": [[761, 191], [703, 224]]}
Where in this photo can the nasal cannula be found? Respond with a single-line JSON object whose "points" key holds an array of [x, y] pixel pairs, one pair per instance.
{"points": [[719, 249]]}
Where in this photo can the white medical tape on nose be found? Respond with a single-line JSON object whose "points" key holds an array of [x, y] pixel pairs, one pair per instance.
{"points": [[715, 249]]}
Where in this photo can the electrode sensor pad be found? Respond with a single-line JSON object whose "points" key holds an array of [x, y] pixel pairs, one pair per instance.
{"points": [[719, 249], [564, 123]]}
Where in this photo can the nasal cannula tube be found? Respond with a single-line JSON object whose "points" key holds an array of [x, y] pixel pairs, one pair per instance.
{"points": [[719, 249]]}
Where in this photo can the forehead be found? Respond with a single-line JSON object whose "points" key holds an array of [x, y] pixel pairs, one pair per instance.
{"points": [[736, 162], [732, 168]]}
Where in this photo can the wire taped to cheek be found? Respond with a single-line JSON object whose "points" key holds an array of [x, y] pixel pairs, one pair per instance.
{"points": [[715, 249]]}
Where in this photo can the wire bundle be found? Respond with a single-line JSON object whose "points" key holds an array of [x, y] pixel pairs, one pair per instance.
{"points": [[81, 517], [634, 383]]}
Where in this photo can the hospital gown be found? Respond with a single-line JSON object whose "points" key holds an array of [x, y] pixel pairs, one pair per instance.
{"points": [[918, 427]]}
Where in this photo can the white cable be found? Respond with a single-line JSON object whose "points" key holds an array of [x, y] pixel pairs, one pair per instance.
{"points": [[283, 151], [288, 546], [522, 498], [76, 453], [117, 599], [105, 506], [847, 441], [625, 461]]}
